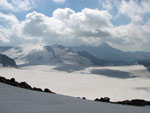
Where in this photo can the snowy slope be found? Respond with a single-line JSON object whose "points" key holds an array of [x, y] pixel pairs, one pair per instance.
{"points": [[66, 56], [29, 55], [17, 100], [120, 83], [39, 55]]}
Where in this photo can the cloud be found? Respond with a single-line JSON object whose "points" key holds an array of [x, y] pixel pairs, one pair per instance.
{"points": [[66, 24], [35, 24], [4, 35], [7, 21], [107, 4], [67, 27], [10, 30], [132, 36], [59, 1], [135, 9], [16, 5], [135, 34], [63, 14], [10, 18]]}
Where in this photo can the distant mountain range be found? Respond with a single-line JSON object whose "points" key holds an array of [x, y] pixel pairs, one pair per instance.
{"points": [[105, 51], [77, 55]]}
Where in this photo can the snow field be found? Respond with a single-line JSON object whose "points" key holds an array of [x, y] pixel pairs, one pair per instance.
{"points": [[17, 100]]}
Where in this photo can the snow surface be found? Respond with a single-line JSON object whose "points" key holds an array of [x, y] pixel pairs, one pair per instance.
{"points": [[17, 100], [29, 55], [118, 82]]}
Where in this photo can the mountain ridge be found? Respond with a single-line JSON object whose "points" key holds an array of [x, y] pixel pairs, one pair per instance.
{"points": [[106, 52], [84, 55]]}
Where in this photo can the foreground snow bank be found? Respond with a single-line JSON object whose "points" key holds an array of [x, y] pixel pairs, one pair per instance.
{"points": [[17, 100]]}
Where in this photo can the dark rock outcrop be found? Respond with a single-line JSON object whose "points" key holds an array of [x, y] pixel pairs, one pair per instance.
{"points": [[6, 61], [24, 85], [4, 48], [37, 89], [135, 102], [47, 90], [148, 68], [146, 62], [12, 79], [103, 99], [84, 98]]}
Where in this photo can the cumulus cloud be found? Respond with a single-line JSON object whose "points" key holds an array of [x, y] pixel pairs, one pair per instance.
{"points": [[89, 26], [135, 34], [66, 24], [10, 30], [16, 5], [134, 9], [8, 21], [10, 18], [59, 1], [35, 24], [132, 36], [107, 4], [4, 35]]}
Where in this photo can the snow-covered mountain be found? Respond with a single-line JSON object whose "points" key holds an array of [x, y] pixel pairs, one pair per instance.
{"points": [[101, 55], [17, 100], [106, 52], [42, 55]]}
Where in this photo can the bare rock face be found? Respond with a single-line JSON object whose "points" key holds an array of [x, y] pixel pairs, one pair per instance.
{"points": [[135, 102], [103, 99], [6, 61], [148, 68], [24, 85]]}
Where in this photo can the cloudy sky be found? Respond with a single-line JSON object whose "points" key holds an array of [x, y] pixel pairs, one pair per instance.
{"points": [[124, 24]]}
